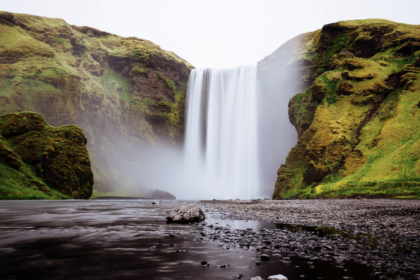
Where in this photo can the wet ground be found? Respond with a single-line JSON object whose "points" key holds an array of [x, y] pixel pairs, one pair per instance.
{"points": [[131, 240], [381, 235]]}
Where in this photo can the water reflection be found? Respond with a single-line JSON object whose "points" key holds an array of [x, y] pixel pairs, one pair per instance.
{"points": [[127, 240]]}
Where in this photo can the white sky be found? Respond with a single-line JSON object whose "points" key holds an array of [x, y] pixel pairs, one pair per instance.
{"points": [[215, 33]]}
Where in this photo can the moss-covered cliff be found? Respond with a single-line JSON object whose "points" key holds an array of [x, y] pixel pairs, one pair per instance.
{"points": [[39, 161], [124, 93], [358, 117]]}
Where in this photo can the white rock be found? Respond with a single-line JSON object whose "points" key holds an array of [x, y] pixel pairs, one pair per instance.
{"points": [[256, 278], [186, 213], [277, 277]]}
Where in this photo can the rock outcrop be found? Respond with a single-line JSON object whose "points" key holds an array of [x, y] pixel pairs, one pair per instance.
{"points": [[186, 213], [127, 94], [357, 115], [158, 194], [39, 161]]}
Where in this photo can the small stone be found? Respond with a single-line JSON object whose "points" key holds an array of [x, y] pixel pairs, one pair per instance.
{"points": [[155, 203], [277, 277], [256, 278], [265, 257], [204, 263]]}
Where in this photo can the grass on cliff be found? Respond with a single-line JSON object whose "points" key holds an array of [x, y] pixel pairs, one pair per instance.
{"points": [[392, 148], [382, 158]]}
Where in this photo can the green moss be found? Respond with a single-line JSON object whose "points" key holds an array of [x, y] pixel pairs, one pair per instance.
{"points": [[353, 146], [41, 161]]}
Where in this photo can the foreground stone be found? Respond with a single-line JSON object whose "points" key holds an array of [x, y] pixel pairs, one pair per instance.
{"points": [[277, 277], [186, 213]]}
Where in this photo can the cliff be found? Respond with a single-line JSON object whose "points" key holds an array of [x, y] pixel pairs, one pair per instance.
{"points": [[357, 117], [39, 161], [127, 94]]}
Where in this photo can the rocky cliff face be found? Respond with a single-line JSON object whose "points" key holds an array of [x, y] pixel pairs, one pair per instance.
{"points": [[39, 161], [125, 93], [358, 114]]}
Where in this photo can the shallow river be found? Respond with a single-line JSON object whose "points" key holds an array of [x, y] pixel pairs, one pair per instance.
{"points": [[130, 239]]}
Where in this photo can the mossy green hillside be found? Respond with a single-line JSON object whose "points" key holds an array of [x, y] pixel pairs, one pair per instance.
{"points": [[127, 94], [39, 161], [357, 121]]}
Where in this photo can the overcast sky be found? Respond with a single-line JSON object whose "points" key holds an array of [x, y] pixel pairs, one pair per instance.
{"points": [[215, 33]]}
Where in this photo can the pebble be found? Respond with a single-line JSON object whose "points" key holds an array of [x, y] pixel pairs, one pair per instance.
{"points": [[265, 257], [277, 277], [336, 231]]}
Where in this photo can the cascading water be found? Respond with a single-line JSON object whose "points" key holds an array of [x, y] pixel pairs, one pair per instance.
{"points": [[221, 131]]}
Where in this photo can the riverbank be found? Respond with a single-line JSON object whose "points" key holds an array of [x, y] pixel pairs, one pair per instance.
{"points": [[382, 234]]}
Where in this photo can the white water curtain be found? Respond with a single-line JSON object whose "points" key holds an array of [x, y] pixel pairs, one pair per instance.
{"points": [[221, 131]]}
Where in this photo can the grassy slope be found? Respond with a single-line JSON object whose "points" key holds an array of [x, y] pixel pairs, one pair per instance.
{"points": [[362, 137], [97, 80]]}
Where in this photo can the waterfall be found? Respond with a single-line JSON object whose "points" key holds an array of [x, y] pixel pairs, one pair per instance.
{"points": [[221, 131]]}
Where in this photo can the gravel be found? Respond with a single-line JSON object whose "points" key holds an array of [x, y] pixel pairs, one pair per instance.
{"points": [[382, 234]]}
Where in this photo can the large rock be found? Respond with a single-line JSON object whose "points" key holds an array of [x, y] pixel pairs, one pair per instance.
{"points": [[186, 213], [158, 194], [39, 161]]}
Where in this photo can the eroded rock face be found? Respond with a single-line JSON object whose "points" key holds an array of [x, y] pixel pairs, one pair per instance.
{"points": [[359, 84], [125, 93], [186, 213], [41, 161]]}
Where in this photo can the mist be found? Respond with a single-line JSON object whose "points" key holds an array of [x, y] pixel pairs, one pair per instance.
{"points": [[186, 172]]}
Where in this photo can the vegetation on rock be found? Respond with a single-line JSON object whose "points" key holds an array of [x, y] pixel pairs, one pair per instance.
{"points": [[123, 92], [358, 117], [39, 161]]}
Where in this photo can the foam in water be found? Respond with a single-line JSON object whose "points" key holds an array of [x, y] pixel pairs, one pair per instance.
{"points": [[221, 131]]}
